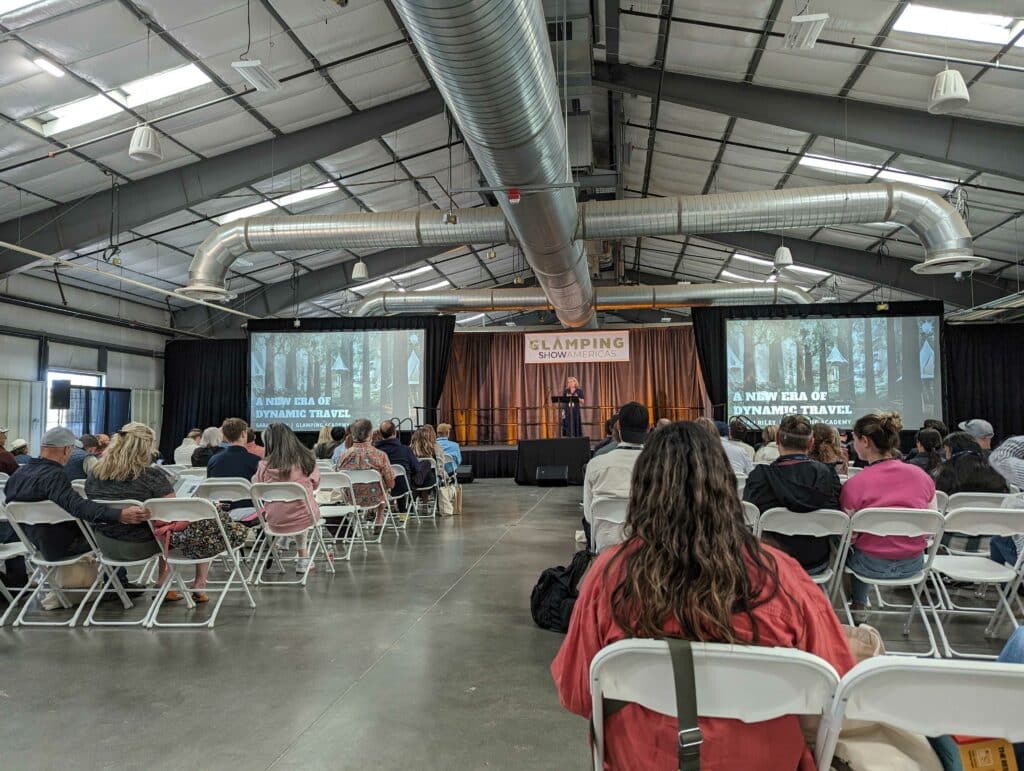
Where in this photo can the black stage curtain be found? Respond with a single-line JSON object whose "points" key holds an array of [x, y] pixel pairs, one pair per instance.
{"points": [[205, 381], [709, 330], [982, 372]]}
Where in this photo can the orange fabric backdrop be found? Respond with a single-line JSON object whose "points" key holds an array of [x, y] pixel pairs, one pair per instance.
{"points": [[492, 397]]}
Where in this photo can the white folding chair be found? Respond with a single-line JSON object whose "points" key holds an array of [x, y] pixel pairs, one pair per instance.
{"points": [[432, 491], [912, 523], [46, 513], [174, 468], [9, 551], [738, 682], [741, 483], [941, 501], [193, 510], [971, 521], [821, 523], [110, 566], [324, 465], [228, 490], [607, 518], [974, 501], [195, 471], [351, 519], [406, 497], [751, 514], [268, 493], [372, 478], [78, 485], [928, 697], [852, 471]]}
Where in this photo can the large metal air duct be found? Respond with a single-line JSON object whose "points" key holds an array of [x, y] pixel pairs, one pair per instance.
{"points": [[606, 298], [937, 225], [491, 61]]}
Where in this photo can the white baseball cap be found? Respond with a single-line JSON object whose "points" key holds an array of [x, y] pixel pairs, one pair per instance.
{"points": [[977, 428]]}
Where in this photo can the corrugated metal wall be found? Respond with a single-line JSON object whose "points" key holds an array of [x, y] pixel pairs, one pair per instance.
{"points": [[22, 410], [147, 407]]}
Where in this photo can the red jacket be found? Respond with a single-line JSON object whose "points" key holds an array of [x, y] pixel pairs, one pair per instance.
{"points": [[636, 738]]}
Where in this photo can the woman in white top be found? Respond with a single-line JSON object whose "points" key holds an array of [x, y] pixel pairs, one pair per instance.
{"points": [[183, 452], [768, 451]]}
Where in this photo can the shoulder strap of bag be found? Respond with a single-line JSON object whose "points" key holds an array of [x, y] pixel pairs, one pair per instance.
{"points": [[690, 736]]}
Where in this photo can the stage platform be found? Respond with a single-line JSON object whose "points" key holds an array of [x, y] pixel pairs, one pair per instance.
{"points": [[501, 461], [491, 461]]}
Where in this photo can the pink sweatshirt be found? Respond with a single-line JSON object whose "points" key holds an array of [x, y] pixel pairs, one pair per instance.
{"points": [[885, 485], [290, 517]]}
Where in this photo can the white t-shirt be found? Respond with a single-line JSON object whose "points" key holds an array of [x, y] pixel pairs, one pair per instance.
{"points": [[741, 462], [608, 478]]}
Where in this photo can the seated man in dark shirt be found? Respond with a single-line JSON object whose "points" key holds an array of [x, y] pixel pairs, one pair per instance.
{"points": [[399, 455], [795, 482], [43, 479], [234, 460]]}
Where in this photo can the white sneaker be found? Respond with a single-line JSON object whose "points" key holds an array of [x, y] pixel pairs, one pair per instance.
{"points": [[302, 563]]}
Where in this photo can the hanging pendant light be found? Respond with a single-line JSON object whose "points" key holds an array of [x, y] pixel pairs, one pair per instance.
{"points": [[359, 271], [145, 144]]}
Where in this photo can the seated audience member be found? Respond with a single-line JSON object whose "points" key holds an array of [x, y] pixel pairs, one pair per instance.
{"points": [[124, 472], [398, 455], [827, 448], [324, 446], [449, 447], [251, 446], [19, 449], [343, 435], [741, 462], [799, 483], [608, 443], [8, 465], [981, 431], [737, 437], [1008, 460], [424, 444], [84, 456], [887, 482], [288, 461], [690, 569], [209, 445], [234, 460], [928, 450], [608, 475], [966, 468], [183, 452], [768, 451], [937, 425], [43, 479], [104, 442], [364, 456], [662, 422]]}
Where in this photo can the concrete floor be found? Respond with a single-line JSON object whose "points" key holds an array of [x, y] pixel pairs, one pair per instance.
{"points": [[420, 654]]}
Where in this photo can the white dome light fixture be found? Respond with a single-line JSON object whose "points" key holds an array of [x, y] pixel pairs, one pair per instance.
{"points": [[359, 271], [949, 93], [783, 260], [145, 144]]}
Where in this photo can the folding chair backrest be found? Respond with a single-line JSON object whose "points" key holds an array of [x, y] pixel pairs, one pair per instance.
{"points": [[196, 471], [3, 478], [181, 509], [751, 514], [773, 681], [820, 523], [78, 485], [895, 521], [934, 697], [974, 500], [224, 489], [985, 521], [334, 480], [941, 501], [398, 471], [323, 463], [38, 513], [365, 476], [852, 471], [277, 492], [173, 468]]}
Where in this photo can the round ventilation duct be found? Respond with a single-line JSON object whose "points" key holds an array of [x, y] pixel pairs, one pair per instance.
{"points": [[952, 263]]}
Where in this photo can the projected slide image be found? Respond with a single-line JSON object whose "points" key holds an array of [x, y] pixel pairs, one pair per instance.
{"points": [[313, 379], [834, 370]]}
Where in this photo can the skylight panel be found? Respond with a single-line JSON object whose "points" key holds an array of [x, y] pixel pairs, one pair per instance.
{"points": [[471, 318], [840, 167], [913, 179], [137, 93], [432, 287], [306, 195], [364, 288], [809, 271], [753, 260], [247, 211], [411, 273], [883, 172], [958, 25], [738, 277], [7, 6]]}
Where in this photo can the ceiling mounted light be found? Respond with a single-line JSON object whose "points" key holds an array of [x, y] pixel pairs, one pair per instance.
{"points": [[450, 218], [47, 66], [949, 93], [804, 30], [783, 260], [359, 271], [258, 76], [145, 144], [492, 255]]}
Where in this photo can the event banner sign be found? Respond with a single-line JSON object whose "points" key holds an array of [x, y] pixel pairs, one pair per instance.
{"points": [[576, 347]]}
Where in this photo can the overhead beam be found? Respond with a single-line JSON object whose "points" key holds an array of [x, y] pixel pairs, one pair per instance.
{"points": [[872, 268], [974, 144], [86, 220], [275, 298]]}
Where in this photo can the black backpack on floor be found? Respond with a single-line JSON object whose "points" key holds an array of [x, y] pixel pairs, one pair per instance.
{"points": [[554, 596]]}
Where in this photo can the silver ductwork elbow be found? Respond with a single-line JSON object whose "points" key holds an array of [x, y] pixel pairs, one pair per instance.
{"points": [[606, 298], [492, 63]]}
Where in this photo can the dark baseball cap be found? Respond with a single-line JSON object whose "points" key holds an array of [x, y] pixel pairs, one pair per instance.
{"points": [[633, 422]]}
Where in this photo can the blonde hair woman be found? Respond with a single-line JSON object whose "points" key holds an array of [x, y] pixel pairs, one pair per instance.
{"points": [[325, 444], [768, 451]]}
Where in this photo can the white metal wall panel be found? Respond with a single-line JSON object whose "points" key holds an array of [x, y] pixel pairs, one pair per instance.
{"points": [[22, 410], [147, 407]]}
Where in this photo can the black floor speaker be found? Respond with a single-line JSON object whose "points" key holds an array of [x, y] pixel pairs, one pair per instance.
{"points": [[552, 476], [464, 474]]}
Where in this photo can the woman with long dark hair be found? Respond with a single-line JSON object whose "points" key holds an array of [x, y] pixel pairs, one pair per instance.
{"points": [[929, 450], [690, 569], [966, 469]]}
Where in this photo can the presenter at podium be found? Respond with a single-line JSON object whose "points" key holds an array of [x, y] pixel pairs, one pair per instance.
{"points": [[571, 422]]}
